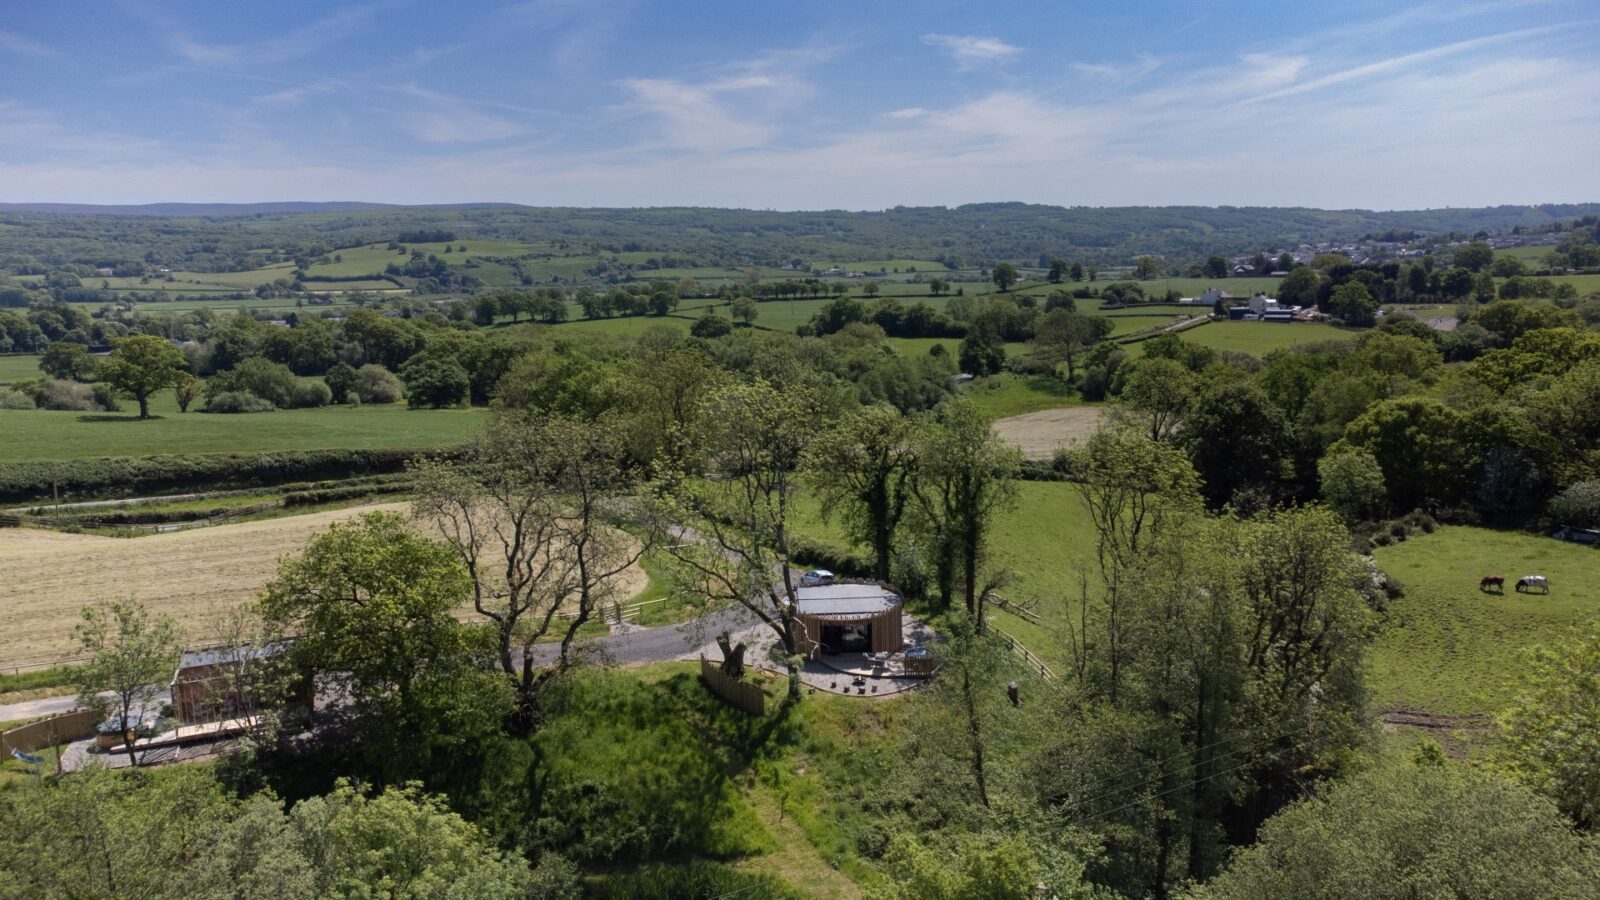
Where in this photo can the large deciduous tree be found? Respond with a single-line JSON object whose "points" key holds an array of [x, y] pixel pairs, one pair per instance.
{"points": [[1548, 732], [735, 501], [141, 365], [862, 468], [1004, 276], [964, 479], [532, 511], [373, 603]]}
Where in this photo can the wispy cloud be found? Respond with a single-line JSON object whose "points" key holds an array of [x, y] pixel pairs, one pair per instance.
{"points": [[695, 116], [293, 44], [579, 32], [11, 42], [1140, 66], [1397, 63], [972, 51]]}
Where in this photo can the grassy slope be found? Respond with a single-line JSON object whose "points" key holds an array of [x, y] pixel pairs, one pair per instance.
{"points": [[1010, 395], [1446, 647], [1040, 542], [42, 434]]}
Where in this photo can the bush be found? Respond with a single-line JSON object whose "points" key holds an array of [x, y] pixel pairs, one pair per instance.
{"points": [[711, 325], [54, 393], [814, 554], [270, 381], [238, 402], [375, 384], [10, 399], [312, 394], [105, 397], [1578, 505]]}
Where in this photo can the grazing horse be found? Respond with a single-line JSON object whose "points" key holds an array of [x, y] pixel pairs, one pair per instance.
{"points": [[1529, 582], [1498, 582]]}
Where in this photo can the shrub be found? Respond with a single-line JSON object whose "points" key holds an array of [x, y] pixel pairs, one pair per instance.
{"points": [[711, 325], [814, 554], [375, 384], [238, 402], [105, 397], [54, 393], [10, 399], [311, 394], [1578, 505], [265, 379]]}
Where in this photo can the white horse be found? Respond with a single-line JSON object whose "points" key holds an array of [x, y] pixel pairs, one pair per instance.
{"points": [[1529, 582]]}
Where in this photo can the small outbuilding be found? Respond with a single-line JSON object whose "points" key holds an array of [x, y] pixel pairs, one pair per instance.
{"points": [[849, 618], [217, 683]]}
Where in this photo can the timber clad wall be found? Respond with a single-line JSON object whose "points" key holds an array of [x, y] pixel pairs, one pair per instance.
{"points": [[738, 694], [886, 635], [56, 729]]}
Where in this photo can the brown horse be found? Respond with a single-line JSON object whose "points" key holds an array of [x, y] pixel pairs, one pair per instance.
{"points": [[1498, 582]]}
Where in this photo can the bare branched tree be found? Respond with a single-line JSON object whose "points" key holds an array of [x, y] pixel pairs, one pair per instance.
{"points": [[534, 509]]}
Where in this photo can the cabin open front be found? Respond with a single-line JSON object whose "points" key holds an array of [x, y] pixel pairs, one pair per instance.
{"points": [[849, 618]]}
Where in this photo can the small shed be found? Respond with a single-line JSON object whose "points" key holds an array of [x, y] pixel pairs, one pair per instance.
{"points": [[221, 682], [849, 618]]}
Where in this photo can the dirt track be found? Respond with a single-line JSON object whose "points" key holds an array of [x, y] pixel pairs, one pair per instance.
{"points": [[1038, 434], [46, 577]]}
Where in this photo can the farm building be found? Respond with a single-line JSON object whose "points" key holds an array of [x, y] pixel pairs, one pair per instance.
{"points": [[217, 682], [849, 618]]}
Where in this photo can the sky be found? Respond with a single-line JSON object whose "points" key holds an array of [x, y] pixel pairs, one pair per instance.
{"points": [[815, 105]]}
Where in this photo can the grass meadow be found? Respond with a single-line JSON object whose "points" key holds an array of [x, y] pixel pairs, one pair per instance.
{"points": [[19, 368], [52, 434], [1009, 395], [1260, 338], [1447, 648], [1042, 542]]}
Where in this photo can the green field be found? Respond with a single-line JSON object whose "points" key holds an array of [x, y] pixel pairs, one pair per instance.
{"points": [[1260, 338], [1009, 395], [1445, 647], [46, 434], [1042, 542], [19, 368]]}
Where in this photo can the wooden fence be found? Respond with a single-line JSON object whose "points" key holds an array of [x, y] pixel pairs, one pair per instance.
{"points": [[1022, 652], [80, 723], [737, 694]]}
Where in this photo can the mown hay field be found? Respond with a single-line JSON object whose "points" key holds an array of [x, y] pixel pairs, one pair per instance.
{"points": [[1038, 434], [46, 577]]}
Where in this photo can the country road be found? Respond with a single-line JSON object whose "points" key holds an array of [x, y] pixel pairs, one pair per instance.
{"points": [[640, 645]]}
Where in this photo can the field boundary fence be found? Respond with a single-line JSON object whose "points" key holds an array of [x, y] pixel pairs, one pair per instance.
{"points": [[1018, 649]]}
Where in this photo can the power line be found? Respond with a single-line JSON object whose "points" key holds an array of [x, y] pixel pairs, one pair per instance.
{"points": [[1125, 788], [1187, 784]]}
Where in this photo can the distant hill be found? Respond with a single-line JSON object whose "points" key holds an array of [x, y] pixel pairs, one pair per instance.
{"points": [[189, 210], [219, 237]]}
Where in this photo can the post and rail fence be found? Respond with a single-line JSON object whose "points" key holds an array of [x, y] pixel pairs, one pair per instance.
{"points": [[1033, 662]]}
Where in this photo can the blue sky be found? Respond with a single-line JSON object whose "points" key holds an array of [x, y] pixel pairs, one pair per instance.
{"points": [[803, 105]]}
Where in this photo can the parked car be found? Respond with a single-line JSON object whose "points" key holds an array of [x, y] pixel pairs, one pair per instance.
{"points": [[816, 577]]}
